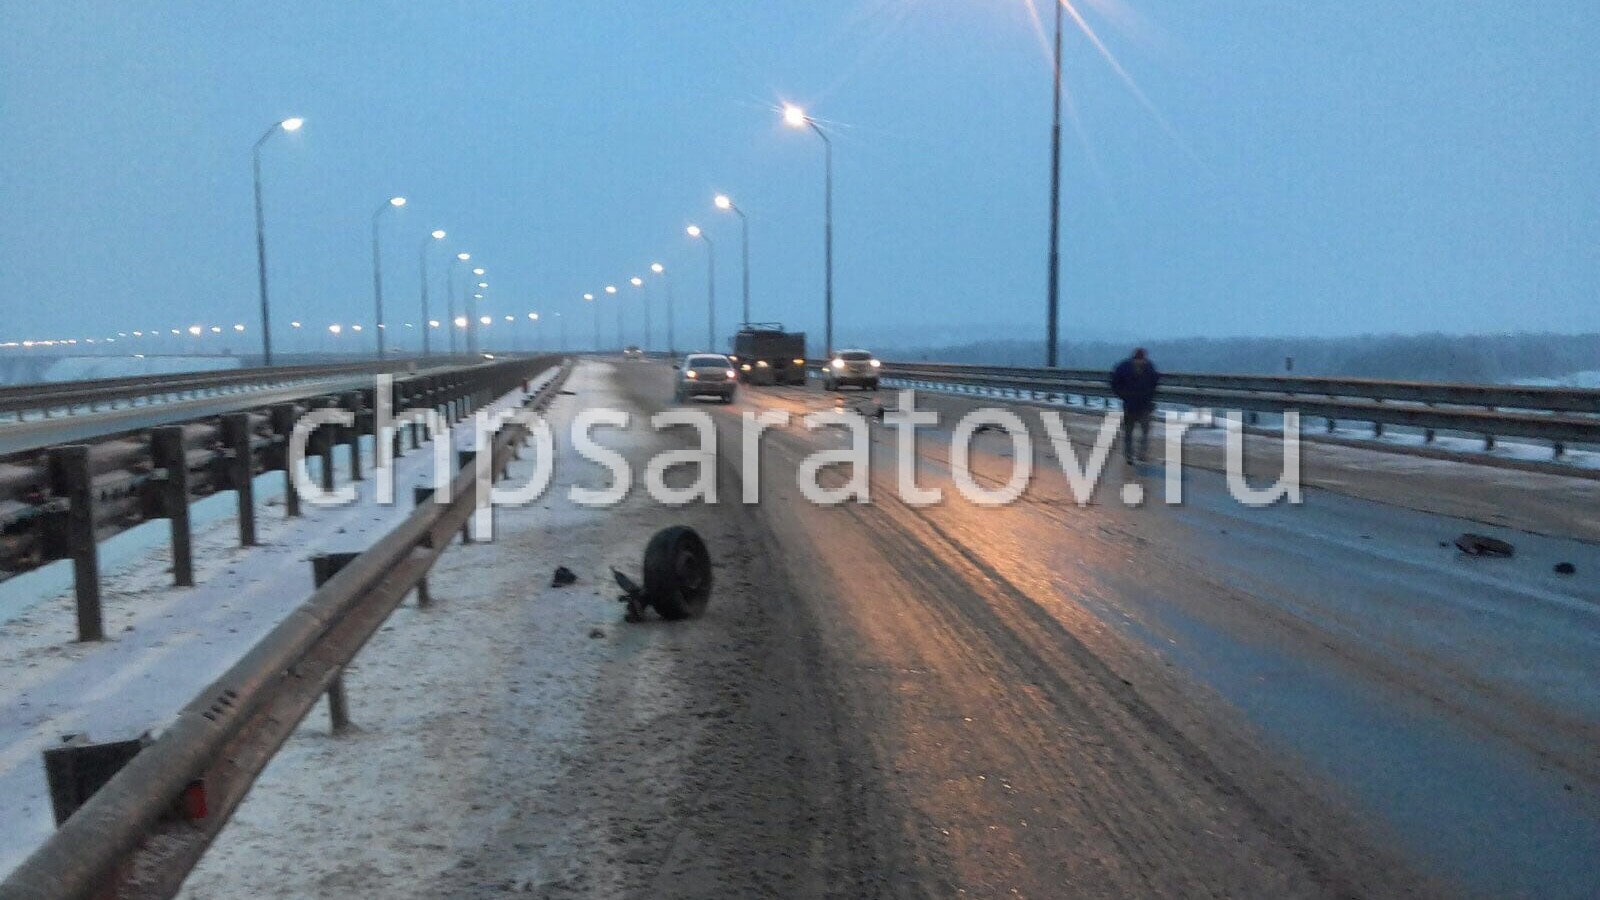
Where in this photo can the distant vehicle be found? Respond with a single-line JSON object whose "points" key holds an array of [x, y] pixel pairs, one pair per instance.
{"points": [[766, 354], [705, 374], [632, 352], [857, 367]]}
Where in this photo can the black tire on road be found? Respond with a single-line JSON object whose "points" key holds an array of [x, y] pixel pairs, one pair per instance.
{"points": [[677, 573]]}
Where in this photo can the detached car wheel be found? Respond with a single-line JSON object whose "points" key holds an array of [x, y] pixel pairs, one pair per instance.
{"points": [[677, 573]]}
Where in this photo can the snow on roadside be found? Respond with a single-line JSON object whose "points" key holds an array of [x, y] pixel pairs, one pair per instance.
{"points": [[516, 737]]}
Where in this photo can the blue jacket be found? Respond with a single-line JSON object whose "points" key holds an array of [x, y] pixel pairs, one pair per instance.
{"points": [[1135, 381]]}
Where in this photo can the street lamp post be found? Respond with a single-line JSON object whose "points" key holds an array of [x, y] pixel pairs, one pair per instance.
{"points": [[797, 117], [638, 282], [472, 315], [589, 298], [1053, 291], [450, 292], [711, 285], [612, 290], [672, 345], [435, 236], [261, 233], [724, 202], [377, 268]]}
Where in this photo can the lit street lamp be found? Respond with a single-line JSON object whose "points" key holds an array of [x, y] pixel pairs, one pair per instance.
{"points": [[711, 285], [796, 117], [472, 316], [435, 236], [638, 282], [589, 298], [290, 125], [612, 290], [450, 294], [672, 345], [377, 268], [725, 203]]}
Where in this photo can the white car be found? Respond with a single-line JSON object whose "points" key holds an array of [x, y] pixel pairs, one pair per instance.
{"points": [[705, 374], [857, 367]]}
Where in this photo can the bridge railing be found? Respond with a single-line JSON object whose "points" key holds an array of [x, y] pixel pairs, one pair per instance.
{"points": [[1562, 417], [48, 398], [136, 837], [60, 502]]}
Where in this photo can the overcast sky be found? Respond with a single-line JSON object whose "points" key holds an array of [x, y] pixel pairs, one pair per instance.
{"points": [[1260, 167]]}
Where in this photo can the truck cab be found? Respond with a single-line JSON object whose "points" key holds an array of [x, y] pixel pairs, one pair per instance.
{"points": [[766, 354]]}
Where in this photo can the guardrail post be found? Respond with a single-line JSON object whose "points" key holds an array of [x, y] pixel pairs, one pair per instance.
{"points": [[467, 459], [241, 472], [167, 452], [352, 433], [421, 495], [283, 416], [323, 567], [71, 480], [326, 438]]}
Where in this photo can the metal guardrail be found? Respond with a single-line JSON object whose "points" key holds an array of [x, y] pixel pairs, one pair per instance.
{"points": [[58, 503], [127, 841], [1561, 416], [48, 398]]}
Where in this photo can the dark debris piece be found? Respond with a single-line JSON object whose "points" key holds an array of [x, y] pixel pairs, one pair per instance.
{"points": [[1483, 545], [1566, 568], [563, 577]]}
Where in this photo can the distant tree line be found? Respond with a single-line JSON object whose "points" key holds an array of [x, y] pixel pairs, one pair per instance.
{"points": [[1487, 358]]}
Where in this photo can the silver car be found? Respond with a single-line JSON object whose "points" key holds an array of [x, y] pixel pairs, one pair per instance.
{"points": [[857, 367], [705, 374]]}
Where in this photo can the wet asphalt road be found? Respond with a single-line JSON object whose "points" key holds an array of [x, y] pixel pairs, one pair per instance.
{"points": [[1200, 700]]}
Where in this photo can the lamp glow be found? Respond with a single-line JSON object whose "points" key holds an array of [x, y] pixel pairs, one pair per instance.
{"points": [[694, 230], [293, 124], [397, 201], [438, 234]]}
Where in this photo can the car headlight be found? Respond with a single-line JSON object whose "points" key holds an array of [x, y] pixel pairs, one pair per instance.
{"points": [[732, 374], [838, 364], [799, 362], [876, 364], [761, 364], [745, 367], [689, 373]]}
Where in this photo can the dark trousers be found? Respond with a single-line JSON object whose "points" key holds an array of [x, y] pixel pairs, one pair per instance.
{"points": [[1136, 416]]}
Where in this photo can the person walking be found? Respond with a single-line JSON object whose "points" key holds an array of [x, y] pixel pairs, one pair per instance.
{"points": [[1134, 381]]}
